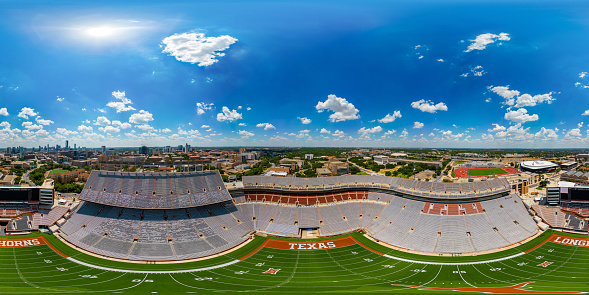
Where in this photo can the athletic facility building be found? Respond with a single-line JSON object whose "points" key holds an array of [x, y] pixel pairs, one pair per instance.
{"points": [[483, 169], [538, 166]]}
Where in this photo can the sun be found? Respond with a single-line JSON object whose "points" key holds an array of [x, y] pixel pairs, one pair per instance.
{"points": [[100, 31]]}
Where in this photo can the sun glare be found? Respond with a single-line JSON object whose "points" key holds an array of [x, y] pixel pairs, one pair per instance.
{"points": [[100, 31]]}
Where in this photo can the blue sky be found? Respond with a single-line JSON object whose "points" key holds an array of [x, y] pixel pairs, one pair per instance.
{"points": [[299, 73]]}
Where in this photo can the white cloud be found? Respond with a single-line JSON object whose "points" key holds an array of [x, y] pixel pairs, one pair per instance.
{"points": [[143, 117], [102, 110], [513, 97], [242, 124], [428, 106], [497, 128], [166, 130], [364, 132], [202, 107], [195, 48], [390, 132], [304, 120], [239, 107], [579, 125], [482, 40], [65, 132], [440, 60], [228, 115], [582, 75], [478, 71], [248, 109], [109, 129], [205, 126], [404, 134], [60, 99], [31, 126], [84, 128], [520, 116], [586, 113], [3, 112], [267, 126], [190, 133], [417, 125], [324, 131], [123, 104], [390, 118], [26, 112], [546, 133], [102, 121], [245, 134], [573, 133], [449, 134], [145, 128], [341, 108], [43, 121], [339, 133], [120, 124], [83, 109], [303, 133]]}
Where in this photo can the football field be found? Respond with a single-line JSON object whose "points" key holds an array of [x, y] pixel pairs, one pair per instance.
{"points": [[350, 269]]}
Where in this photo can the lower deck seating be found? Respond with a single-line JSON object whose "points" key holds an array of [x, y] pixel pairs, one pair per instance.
{"points": [[154, 234]]}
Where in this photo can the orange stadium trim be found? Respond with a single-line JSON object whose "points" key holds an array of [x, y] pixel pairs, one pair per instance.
{"points": [[515, 289], [563, 240], [309, 245], [27, 242]]}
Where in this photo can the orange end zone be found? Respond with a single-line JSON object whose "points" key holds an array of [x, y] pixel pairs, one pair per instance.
{"points": [[27, 242], [563, 240], [309, 245]]}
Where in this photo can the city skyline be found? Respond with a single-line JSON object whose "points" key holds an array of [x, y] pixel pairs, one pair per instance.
{"points": [[394, 75]]}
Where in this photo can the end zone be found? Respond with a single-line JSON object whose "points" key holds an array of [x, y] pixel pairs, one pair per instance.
{"points": [[27, 242]]}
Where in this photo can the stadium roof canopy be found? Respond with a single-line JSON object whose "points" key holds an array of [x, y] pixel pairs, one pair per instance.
{"points": [[538, 165]]}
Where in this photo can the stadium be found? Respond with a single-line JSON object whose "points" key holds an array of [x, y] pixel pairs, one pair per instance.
{"points": [[137, 233], [483, 169]]}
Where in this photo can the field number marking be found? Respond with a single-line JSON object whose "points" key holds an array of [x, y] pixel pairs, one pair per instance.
{"points": [[419, 270], [48, 261], [202, 279], [368, 260], [89, 276], [61, 269], [260, 264], [495, 269], [270, 256], [458, 271], [388, 266], [241, 272]]}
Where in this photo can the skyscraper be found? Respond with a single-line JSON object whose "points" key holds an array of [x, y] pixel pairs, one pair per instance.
{"points": [[67, 144]]}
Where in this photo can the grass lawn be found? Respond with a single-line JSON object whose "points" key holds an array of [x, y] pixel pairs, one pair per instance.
{"points": [[346, 270], [58, 171], [481, 172]]}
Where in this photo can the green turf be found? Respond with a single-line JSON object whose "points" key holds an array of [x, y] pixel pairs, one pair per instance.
{"points": [[347, 270], [484, 172], [57, 171]]}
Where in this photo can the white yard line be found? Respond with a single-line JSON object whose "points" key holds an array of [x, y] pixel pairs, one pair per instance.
{"points": [[454, 263], [152, 271]]}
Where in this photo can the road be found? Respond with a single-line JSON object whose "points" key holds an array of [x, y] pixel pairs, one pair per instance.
{"points": [[25, 177], [365, 170]]}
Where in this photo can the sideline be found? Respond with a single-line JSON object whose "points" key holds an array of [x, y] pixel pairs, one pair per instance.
{"points": [[454, 263], [152, 271]]}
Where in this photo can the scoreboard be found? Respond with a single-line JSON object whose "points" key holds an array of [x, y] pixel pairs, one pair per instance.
{"points": [[19, 194], [579, 194]]}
